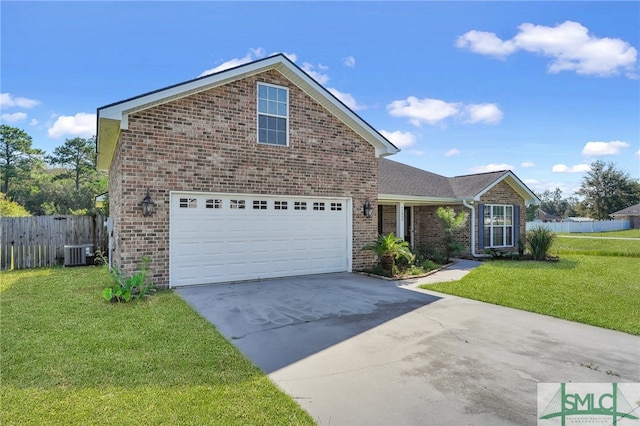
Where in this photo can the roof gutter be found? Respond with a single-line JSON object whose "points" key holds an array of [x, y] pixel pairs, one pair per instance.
{"points": [[473, 230]]}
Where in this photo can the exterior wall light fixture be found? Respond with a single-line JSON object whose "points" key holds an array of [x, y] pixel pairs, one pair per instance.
{"points": [[147, 205], [367, 208]]}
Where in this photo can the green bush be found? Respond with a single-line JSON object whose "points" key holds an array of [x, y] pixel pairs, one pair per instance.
{"points": [[389, 249], [451, 222], [539, 241], [429, 265], [135, 287]]}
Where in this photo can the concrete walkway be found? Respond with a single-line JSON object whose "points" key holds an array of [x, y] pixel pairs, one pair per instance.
{"points": [[455, 272]]}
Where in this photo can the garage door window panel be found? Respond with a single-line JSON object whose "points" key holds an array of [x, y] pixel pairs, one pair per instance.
{"points": [[188, 203], [237, 204], [213, 203]]}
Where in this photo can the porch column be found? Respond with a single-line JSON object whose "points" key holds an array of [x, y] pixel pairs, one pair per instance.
{"points": [[400, 220]]}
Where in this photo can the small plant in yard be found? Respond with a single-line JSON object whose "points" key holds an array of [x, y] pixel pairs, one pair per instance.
{"points": [[522, 245], [451, 222], [390, 248], [135, 287], [539, 242]]}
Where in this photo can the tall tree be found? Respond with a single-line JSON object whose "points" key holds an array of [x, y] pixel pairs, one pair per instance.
{"points": [[551, 202], [16, 154], [77, 156], [606, 190]]}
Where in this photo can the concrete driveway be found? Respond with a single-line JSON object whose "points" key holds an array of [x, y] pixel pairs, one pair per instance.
{"points": [[355, 350]]}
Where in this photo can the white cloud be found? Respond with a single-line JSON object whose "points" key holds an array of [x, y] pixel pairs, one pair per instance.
{"points": [[346, 99], [638, 153], [423, 110], [492, 168], [595, 149], [539, 187], [417, 152], [14, 117], [400, 139], [252, 55], [349, 61], [8, 101], [82, 124], [452, 152], [569, 45], [485, 43], [563, 168], [291, 56], [483, 113], [34, 122], [527, 164], [317, 76]]}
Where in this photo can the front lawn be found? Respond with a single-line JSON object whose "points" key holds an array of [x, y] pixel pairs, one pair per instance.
{"points": [[596, 246], [629, 233], [68, 357], [593, 290]]}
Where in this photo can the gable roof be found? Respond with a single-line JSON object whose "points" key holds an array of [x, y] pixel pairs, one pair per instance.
{"points": [[542, 215], [114, 117], [629, 211], [397, 181]]}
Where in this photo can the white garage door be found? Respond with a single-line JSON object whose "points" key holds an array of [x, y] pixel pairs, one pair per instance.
{"points": [[234, 237]]}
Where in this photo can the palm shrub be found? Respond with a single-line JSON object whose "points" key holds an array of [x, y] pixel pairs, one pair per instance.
{"points": [[390, 248], [451, 222], [539, 242]]}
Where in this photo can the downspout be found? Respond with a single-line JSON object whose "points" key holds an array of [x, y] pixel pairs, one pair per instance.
{"points": [[473, 230]]}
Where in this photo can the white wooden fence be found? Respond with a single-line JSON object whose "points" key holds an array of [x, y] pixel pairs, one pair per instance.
{"points": [[38, 241], [595, 226]]}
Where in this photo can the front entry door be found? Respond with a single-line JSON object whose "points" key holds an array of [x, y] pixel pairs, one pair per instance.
{"points": [[408, 226]]}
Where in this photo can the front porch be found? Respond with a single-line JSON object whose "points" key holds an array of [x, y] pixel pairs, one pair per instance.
{"points": [[418, 224]]}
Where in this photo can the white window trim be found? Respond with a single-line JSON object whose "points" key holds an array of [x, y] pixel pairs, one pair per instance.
{"points": [[504, 227], [258, 114]]}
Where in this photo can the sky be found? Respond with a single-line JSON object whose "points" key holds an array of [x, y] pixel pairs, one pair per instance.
{"points": [[539, 88]]}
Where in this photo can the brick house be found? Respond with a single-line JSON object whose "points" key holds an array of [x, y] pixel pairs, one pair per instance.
{"points": [[409, 197], [254, 172]]}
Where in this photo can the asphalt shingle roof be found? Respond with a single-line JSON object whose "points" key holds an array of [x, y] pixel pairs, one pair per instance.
{"points": [[400, 179], [629, 211]]}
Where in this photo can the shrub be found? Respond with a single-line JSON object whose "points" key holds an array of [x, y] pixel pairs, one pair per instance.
{"points": [[539, 242], [451, 222], [390, 248], [429, 265], [135, 287]]}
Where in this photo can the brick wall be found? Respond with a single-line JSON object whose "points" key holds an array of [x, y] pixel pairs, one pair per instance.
{"points": [[429, 231], [388, 219], [208, 142]]}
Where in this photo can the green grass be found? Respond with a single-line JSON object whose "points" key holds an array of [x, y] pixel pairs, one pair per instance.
{"points": [[629, 233], [598, 287], [68, 357], [596, 247]]}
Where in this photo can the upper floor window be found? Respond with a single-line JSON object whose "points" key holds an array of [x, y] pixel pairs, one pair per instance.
{"points": [[273, 114]]}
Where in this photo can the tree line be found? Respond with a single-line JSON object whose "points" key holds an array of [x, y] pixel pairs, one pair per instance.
{"points": [[34, 183], [604, 190]]}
